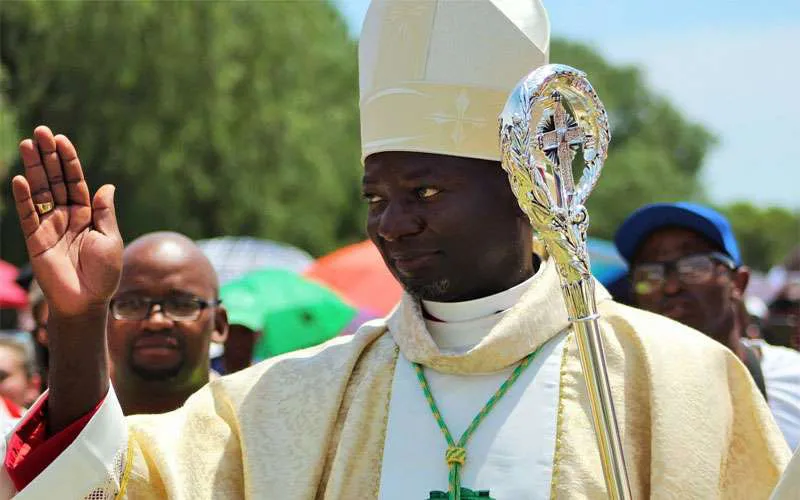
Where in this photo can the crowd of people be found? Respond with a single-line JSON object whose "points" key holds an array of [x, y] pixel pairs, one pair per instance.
{"points": [[707, 390], [674, 252]]}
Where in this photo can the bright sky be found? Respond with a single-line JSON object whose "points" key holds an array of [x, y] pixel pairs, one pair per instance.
{"points": [[734, 66]]}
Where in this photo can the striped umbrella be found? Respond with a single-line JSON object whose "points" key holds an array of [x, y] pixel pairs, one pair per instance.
{"points": [[235, 256]]}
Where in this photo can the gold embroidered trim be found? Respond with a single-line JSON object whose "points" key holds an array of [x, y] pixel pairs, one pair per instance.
{"points": [[126, 474], [560, 418], [377, 489], [235, 426]]}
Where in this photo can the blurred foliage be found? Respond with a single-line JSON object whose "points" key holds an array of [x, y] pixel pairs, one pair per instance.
{"points": [[8, 129], [655, 153], [241, 118], [765, 235], [212, 118]]}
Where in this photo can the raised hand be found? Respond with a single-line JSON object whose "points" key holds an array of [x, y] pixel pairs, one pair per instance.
{"points": [[73, 241]]}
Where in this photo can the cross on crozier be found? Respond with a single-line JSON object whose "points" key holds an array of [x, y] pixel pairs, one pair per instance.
{"points": [[560, 139]]}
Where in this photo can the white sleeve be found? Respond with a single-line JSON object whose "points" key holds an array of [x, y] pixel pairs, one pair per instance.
{"points": [[9, 425], [781, 367], [788, 487], [92, 467]]}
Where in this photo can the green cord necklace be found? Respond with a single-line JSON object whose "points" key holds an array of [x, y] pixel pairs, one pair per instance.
{"points": [[456, 454]]}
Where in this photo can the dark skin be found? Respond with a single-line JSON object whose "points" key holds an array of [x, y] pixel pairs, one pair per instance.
{"points": [[157, 363], [713, 308], [239, 348], [448, 228], [75, 249]]}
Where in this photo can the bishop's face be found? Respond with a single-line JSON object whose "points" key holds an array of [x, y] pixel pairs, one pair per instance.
{"points": [[449, 228]]}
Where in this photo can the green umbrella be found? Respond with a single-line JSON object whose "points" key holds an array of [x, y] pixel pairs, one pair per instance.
{"points": [[291, 312]]}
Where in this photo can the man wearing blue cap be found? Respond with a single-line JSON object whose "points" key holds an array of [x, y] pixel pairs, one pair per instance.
{"points": [[685, 264]]}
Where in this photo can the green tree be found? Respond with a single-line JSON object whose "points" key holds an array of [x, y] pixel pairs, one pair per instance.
{"points": [[242, 118], [766, 235], [212, 118], [655, 153], [8, 130]]}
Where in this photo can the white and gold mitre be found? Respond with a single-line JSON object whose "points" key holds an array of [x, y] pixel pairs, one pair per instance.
{"points": [[435, 74]]}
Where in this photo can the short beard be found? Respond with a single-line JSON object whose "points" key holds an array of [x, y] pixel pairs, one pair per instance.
{"points": [[428, 291], [156, 375]]}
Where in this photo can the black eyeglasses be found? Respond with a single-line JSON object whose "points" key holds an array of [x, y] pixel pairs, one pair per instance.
{"points": [[137, 308], [694, 269], [784, 306]]}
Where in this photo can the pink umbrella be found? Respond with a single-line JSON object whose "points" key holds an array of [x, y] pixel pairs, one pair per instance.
{"points": [[358, 273], [11, 294]]}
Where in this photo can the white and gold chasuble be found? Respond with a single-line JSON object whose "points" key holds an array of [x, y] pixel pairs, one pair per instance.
{"points": [[317, 424]]}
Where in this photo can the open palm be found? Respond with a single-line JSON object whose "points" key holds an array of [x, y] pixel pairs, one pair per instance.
{"points": [[73, 242]]}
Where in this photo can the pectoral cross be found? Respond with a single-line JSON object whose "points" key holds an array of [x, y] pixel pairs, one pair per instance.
{"points": [[466, 494], [560, 141]]}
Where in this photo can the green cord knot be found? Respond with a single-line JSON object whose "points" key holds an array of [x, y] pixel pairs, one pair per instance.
{"points": [[455, 455]]}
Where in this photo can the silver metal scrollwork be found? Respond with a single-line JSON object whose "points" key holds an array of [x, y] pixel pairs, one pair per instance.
{"points": [[550, 116]]}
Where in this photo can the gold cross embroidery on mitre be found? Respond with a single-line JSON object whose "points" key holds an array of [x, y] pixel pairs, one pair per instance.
{"points": [[459, 119]]}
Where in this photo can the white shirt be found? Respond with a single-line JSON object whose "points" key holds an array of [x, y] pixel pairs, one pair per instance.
{"points": [[511, 452], [781, 368], [461, 325]]}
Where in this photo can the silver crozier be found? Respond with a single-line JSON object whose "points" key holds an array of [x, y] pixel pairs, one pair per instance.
{"points": [[551, 115]]}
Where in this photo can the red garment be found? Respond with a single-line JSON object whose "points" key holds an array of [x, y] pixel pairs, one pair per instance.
{"points": [[14, 411], [31, 449]]}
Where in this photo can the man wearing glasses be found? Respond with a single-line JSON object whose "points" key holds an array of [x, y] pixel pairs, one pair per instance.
{"points": [[163, 317], [685, 264], [783, 315]]}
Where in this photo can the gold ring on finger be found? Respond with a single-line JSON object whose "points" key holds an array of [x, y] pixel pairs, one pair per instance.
{"points": [[44, 208]]}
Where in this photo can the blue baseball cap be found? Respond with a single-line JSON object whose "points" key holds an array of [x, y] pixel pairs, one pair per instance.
{"points": [[703, 220]]}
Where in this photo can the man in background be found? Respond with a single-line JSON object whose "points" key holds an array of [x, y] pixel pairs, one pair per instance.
{"points": [[685, 264], [782, 325], [239, 348], [162, 320]]}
